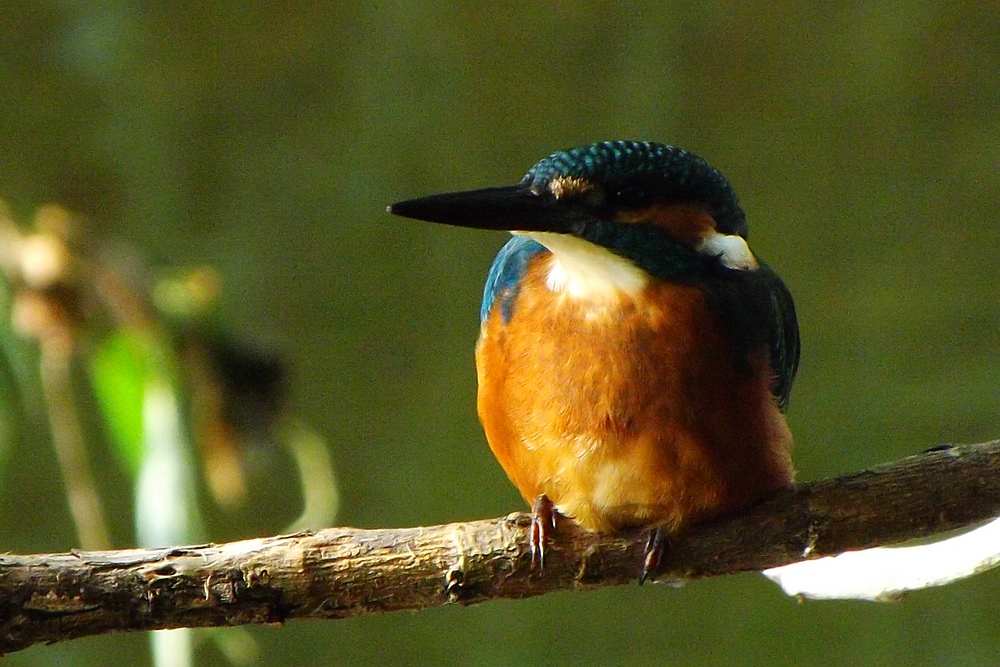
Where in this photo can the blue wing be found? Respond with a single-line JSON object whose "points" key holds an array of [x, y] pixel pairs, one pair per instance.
{"points": [[758, 312], [783, 337], [505, 276]]}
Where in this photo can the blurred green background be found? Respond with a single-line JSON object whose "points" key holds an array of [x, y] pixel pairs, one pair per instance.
{"points": [[267, 139]]}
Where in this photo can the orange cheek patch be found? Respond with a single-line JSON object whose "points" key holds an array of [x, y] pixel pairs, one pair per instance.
{"points": [[687, 223]]}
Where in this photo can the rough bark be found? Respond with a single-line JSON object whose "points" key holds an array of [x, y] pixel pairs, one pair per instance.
{"points": [[342, 572]]}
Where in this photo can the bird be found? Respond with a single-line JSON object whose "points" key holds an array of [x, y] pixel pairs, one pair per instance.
{"points": [[635, 357]]}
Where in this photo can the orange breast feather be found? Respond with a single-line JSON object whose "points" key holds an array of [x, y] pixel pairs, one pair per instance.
{"points": [[631, 413]]}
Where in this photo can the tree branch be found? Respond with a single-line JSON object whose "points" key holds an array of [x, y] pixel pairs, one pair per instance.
{"points": [[341, 572]]}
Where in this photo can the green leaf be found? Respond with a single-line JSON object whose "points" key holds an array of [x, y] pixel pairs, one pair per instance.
{"points": [[121, 370], [13, 376]]}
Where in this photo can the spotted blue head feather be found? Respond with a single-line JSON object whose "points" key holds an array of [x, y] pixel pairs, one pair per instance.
{"points": [[644, 169]]}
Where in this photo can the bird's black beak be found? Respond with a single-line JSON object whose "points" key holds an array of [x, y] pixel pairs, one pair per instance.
{"points": [[511, 208]]}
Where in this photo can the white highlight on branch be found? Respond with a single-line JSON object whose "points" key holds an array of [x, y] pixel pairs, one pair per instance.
{"points": [[885, 573]]}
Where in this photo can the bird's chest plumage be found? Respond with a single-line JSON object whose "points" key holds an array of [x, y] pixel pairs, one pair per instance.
{"points": [[628, 410]]}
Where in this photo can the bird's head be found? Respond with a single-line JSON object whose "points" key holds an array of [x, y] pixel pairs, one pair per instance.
{"points": [[665, 210]]}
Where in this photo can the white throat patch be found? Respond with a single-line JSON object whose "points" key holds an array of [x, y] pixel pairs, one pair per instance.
{"points": [[587, 271]]}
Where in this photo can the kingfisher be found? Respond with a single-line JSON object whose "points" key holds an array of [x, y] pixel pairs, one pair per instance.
{"points": [[635, 357]]}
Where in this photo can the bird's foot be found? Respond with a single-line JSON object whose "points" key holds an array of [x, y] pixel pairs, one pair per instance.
{"points": [[657, 547], [544, 517]]}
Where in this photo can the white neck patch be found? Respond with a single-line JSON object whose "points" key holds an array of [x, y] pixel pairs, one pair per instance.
{"points": [[587, 271], [732, 251]]}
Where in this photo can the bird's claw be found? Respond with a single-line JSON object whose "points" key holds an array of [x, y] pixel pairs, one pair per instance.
{"points": [[656, 548], [544, 517]]}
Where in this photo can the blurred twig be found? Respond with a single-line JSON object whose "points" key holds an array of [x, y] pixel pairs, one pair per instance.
{"points": [[343, 572], [48, 307], [67, 439], [85, 318]]}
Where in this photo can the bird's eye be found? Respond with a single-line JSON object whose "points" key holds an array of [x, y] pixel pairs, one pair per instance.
{"points": [[630, 196]]}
